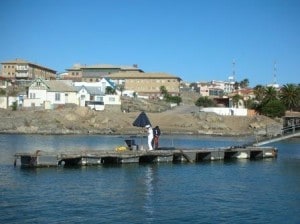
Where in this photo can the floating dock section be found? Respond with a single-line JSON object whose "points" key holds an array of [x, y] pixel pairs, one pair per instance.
{"points": [[100, 157]]}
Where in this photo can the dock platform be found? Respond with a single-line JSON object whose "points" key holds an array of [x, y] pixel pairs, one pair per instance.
{"points": [[173, 155]]}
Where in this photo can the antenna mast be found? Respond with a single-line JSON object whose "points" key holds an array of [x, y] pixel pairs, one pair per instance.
{"points": [[275, 74], [233, 70]]}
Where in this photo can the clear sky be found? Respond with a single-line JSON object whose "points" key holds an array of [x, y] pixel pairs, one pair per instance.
{"points": [[196, 40]]}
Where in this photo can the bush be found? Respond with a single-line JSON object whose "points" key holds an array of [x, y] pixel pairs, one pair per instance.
{"points": [[205, 102], [273, 108], [174, 99], [14, 106], [2, 92]]}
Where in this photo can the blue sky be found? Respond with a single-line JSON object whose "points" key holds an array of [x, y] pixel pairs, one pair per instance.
{"points": [[193, 39]]}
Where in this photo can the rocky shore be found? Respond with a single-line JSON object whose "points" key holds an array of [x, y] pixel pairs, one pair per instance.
{"points": [[180, 120]]}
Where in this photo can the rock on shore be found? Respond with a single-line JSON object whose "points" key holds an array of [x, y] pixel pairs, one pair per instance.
{"points": [[81, 120]]}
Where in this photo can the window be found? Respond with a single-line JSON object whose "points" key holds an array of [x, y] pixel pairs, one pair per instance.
{"points": [[32, 96], [99, 98], [57, 96], [111, 99]]}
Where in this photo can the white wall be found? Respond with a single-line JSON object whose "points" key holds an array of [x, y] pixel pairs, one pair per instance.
{"points": [[112, 100], [72, 98], [30, 102], [81, 100], [4, 99], [39, 94], [51, 98], [225, 111]]}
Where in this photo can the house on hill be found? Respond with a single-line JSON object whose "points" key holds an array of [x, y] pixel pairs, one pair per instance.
{"points": [[101, 84], [50, 93], [89, 92]]}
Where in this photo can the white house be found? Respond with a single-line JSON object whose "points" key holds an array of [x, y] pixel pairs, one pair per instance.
{"points": [[50, 92], [89, 93], [102, 84]]}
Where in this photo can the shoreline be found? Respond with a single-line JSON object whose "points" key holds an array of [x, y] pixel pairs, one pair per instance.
{"points": [[127, 134]]}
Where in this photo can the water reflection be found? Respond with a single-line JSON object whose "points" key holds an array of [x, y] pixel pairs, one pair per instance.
{"points": [[148, 206]]}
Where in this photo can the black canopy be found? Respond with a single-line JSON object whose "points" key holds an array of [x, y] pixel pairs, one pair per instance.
{"points": [[142, 120]]}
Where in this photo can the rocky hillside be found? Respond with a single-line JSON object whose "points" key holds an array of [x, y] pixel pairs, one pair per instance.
{"points": [[184, 119]]}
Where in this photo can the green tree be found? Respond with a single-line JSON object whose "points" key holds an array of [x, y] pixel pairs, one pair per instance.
{"points": [[174, 99], [14, 106], [168, 97], [259, 92], [204, 101], [273, 108], [2, 92], [121, 88], [110, 90], [290, 96], [244, 83], [163, 91], [235, 99], [236, 86], [270, 93]]}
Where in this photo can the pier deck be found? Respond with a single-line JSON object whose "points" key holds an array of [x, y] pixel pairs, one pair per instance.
{"points": [[86, 158]]}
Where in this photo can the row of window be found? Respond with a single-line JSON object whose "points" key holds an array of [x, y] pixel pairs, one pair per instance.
{"points": [[10, 74], [8, 66], [58, 97]]}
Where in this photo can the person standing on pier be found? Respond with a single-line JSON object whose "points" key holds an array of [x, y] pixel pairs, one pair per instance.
{"points": [[156, 134], [150, 136]]}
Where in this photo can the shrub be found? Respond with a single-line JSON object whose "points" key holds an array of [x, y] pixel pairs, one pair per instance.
{"points": [[274, 108], [204, 102], [14, 106]]}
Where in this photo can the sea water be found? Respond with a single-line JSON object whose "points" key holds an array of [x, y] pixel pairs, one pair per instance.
{"points": [[238, 191]]}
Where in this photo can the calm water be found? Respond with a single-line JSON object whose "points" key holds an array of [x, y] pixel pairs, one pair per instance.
{"points": [[263, 191]]}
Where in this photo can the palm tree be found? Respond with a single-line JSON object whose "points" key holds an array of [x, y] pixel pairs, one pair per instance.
{"points": [[259, 91], [270, 93], [290, 96], [235, 99], [244, 83], [236, 85]]}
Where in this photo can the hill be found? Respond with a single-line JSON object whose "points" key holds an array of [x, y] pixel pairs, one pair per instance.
{"points": [[183, 119]]}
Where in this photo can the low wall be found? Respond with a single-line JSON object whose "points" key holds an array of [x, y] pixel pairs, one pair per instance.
{"points": [[6, 102], [225, 111]]}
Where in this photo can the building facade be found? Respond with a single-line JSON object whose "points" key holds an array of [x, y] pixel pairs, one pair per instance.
{"points": [[147, 84], [19, 69], [94, 73]]}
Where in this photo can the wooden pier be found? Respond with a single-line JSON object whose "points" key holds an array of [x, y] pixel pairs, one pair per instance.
{"points": [[174, 155]]}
